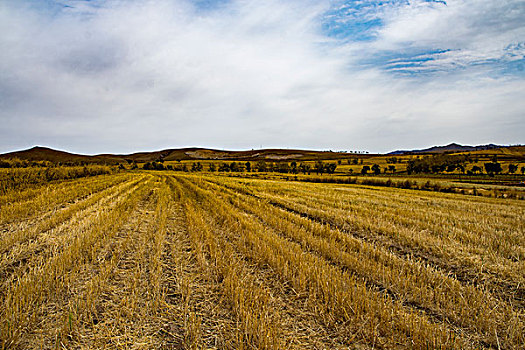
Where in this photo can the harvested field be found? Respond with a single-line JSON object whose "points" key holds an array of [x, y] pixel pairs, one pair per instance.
{"points": [[151, 260]]}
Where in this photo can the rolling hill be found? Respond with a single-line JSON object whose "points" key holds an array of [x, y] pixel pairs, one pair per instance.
{"points": [[38, 153], [450, 148], [47, 154]]}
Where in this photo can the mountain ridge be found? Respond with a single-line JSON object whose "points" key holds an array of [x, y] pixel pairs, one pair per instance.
{"points": [[40, 153], [452, 147]]}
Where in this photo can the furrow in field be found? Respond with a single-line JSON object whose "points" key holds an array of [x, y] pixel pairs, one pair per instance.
{"points": [[27, 298], [503, 278], [30, 193], [71, 321], [417, 285], [26, 231], [53, 197], [467, 222], [111, 306], [336, 295], [131, 300], [37, 244], [453, 219], [255, 322], [298, 326], [466, 216], [193, 313]]}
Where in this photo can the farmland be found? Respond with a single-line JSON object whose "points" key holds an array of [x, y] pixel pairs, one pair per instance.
{"points": [[148, 259]]}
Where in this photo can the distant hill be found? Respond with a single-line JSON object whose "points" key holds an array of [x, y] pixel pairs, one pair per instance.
{"points": [[55, 156], [47, 154], [451, 148], [38, 153], [213, 154]]}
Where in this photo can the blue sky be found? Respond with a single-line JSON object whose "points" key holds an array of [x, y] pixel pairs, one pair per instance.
{"points": [[123, 76], [368, 21]]}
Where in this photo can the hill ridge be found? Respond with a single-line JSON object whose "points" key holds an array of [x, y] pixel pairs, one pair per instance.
{"points": [[42, 153], [451, 147]]}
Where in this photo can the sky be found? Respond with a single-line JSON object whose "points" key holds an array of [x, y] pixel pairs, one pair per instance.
{"points": [[121, 76]]}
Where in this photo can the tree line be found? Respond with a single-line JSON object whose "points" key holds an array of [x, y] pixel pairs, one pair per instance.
{"points": [[318, 168], [449, 163]]}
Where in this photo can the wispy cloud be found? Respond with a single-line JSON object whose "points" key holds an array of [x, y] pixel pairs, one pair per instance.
{"points": [[442, 36], [119, 76]]}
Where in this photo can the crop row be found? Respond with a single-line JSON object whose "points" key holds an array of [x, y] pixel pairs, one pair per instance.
{"points": [[166, 260], [415, 282]]}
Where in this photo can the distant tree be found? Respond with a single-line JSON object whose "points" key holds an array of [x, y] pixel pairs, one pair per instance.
{"points": [[169, 167], [436, 168], [436, 164], [234, 167], [147, 166], [512, 168], [339, 162], [261, 166], [476, 169], [523, 170], [392, 168], [319, 167], [293, 167], [391, 160], [248, 166], [211, 167], [361, 161], [330, 168], [223, 167], [355, 161], [350, 171], [184, 167], [158, 166], [376, 169], [365, 170], [283, 167], [304, 168], [493, 167]]}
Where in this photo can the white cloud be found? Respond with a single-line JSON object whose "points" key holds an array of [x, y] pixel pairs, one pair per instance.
{"points": [[475, 31], [133, 75]]}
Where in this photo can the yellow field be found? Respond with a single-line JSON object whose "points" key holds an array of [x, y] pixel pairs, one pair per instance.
{"points": [[169, 260]]}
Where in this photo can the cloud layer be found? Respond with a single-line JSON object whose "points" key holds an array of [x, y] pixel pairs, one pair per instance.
{"points": [[122, 76]]}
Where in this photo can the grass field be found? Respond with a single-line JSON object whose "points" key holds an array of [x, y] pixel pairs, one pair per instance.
{"points": [[146, 260]]}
